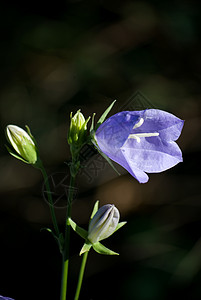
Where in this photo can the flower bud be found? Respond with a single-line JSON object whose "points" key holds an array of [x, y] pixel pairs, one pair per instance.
{"points": [[78, 129], [103, 224], [23, 144]]}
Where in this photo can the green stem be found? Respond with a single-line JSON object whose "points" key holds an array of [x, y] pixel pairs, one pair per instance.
{"points": [[65, 263], [50, 201], [81, 274]]}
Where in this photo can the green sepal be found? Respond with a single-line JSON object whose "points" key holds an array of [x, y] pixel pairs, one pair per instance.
{"points": [[83, 133], [29, 132], [95, 209], [101, 249], [92, 123], [104, 115], [87, 120], [86, 247], [16, 155], [31, 136], [80, 231], [121, 224]]}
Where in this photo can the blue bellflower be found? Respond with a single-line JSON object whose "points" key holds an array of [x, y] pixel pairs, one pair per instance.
{"points": [[5, 298], [141, 141]]}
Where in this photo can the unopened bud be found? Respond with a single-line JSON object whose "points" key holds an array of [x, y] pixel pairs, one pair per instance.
{"points": [[78, 129], [103, 224], [23, 144]]}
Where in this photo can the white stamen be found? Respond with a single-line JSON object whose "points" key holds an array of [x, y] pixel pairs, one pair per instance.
{"points": [[137, 136], [138, 124]]}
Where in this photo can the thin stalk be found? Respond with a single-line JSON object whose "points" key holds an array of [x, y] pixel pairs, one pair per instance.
{"points": [[50, 201], [65, 257], [81, 274]]}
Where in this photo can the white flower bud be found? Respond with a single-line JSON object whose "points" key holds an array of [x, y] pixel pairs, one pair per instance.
{"points": [[22, 143], [103, 224]]}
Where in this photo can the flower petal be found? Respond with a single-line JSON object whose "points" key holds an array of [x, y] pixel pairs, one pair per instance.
{"points": [[152, 154], [155, 120], [115, 130], [119, 158]]}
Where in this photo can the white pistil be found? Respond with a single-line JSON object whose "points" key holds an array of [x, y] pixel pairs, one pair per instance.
{"points": [[139, 123], [137, 136]]}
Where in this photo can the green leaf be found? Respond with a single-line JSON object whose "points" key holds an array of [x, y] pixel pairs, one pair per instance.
{"points": [[95, 209], [80, 231], [104, 115], [99, 248], [86, 247], [121, 224], [52, 232]]}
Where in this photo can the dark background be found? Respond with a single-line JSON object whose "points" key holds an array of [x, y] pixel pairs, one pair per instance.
{"points": [[57, 57]]}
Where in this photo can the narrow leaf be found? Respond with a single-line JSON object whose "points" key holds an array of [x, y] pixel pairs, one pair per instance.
{"points": [[59, 239], [104, 115], [47, 229], [80, 231], [105, 156], [109, 161], [52, 232], [99, 248]]}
